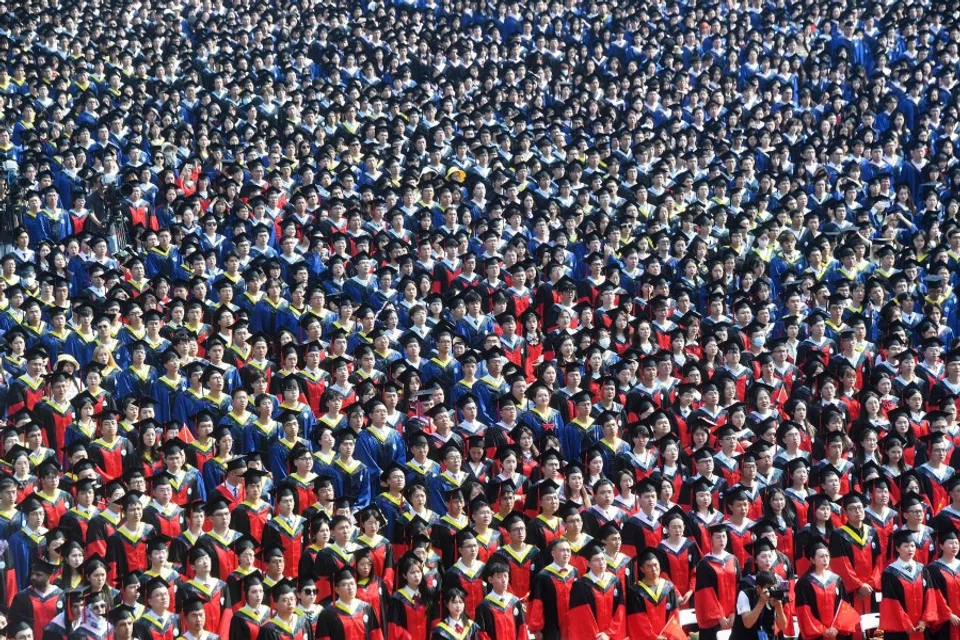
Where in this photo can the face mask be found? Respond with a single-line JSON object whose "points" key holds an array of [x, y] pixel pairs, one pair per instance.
{"points": [[604, 342], [758, 342]]}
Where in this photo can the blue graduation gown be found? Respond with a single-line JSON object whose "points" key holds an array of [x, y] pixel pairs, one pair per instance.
{"points": [[377, 453]]}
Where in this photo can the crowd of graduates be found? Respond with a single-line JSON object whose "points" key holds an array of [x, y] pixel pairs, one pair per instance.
{"points": [[461, 320]]}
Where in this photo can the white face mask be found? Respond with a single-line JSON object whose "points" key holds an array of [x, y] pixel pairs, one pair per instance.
{"points": [[604, 342]]}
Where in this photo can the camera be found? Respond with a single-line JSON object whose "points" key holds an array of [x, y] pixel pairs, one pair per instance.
{"points": [[779, 594]]}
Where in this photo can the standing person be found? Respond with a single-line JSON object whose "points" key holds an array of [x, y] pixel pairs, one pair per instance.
{"points": [[550, 593], [410, 612], [456, 625], [760, 608], [349, 618], [39, 602], [652, 600], [855, 555], [248, 620], [523, 559], [500, 615], [597, 607], [822, 610], [907, 605], [287, 624], [718, 575]]}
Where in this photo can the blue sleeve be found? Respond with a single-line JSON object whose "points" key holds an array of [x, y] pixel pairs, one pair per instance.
{"points": [[212, 475], [278, 464], [363, 497], [201, 487], [21, 561]]}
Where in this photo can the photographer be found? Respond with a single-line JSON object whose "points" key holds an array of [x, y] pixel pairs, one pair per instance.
{"points": [[760, 608]]}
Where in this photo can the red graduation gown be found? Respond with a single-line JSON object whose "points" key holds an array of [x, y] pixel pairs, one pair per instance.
{"points": [[151, 626], [301, 629], [716, 589], [381, 553], [223, 557], [639, 533], [945, 583], [170, 521], [251, 519], [288, 536], [523, 566], [649, 608], [596, 608], [408, 618], [501, 620], [374, 592], [550, 601], [216, 603], [854, 557], [34, 607], [127, 552], [817, 605], [681, 565], [338, 623], [907, 600], [246, 623], [55, 506], [470, 581]]}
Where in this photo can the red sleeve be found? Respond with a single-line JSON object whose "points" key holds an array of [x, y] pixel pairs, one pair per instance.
{"points": [[893, 617], [10, 586], [582, 624], [930, 609], [225, 619], [617, 623], [842, 566], [522, 632], [638, 626], [535, 615], [705, 599], [810, 625], [938, 597]]}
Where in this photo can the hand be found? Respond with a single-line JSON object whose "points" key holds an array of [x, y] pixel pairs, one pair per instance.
{"points": [[864, 591], [686, 597], [954, 620], [602, 636], [920, 628], [726, 623], [831, 632], [763, 597], [538, 635]]}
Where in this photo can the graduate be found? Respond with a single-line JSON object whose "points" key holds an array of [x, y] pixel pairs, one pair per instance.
{"points": [[157, 622], [450, 478], [944, 576], [348, 619], [651, 601], [112, 453], [718, 575], [680, 555], [286, 530], [500, 615], [908, 604], [337, 555], [186, 481], [410, 612], [56, 502], [193, 615], [370, 587], [127, 547], [351, 478], [247, 621], [300, 462], [211, 591], [251, 516], [550, 593], [165, 516], [38, 602], [821, 604], [219, 539], [457, 625], [643, 529], [523, 559], [444, 533], [370, 521], [855, 555], [379, 445], [104, 524], [466, 574], [597, 606], [391, 502], [546, 527]]}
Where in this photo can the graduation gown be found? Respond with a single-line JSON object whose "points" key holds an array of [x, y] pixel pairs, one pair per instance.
{"points": [[649, 608], [330, 560], [251, 519], [381, 553], [246, 623], [541, 531], [223, 557], [596, 607], [501, 619], [216, 603], [470, 630], [24, 547], [54, 419], [470, 581], [35, 608], [681, 565], [641, 532], [907, 600], [818, 605], [115, 459], [855, 558], [101, 527], [374, 592], [289, 536], [715, 596], [127, 552], [550, 601], [169, 521], [523, 566], [340, 623], [150, 626], [408, 618], [945, 583]]}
